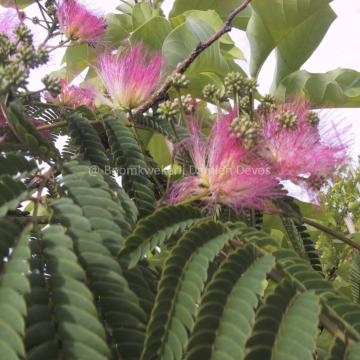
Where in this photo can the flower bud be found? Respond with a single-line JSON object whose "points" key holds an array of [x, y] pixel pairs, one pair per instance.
{"points": [[168, 110], [244, 103], [188, 103], [23, 34], [179, 81], [52, 85], [313, 118], [27, 55], [209, 92], [245, 129], [35, 20], [7, 48], [42, 56], [287, 120], [267, 105], [236, 83]]}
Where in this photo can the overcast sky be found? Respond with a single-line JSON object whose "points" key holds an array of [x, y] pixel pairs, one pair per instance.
{"points": [[340, 48]]}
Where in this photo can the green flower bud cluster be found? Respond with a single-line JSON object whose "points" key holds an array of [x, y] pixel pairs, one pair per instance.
{"points": [[212, 93], [168, 110], [188, 103], [236, 83], [313, 118], [23, 35], [12, 75], [7, 48], [244, 103], [287, 120], [50, 7], [245, 129], [35, 20], [52, 85], [179, 81], [18, 57], [267, 105], [209, 91]]}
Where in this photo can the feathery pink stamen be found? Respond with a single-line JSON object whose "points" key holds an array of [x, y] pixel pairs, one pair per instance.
{"points": [[9, 20], [130, 77], [226, 172], [73, 96], [300, 151], [78, 24]]}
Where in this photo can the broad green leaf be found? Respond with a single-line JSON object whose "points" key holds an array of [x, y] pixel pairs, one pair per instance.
{"points": [[156, 25], [142, 13], [337, 88], [159, 150], [119, 27], [183, 39], [223, 8], [294, 28], [77, 58], [214, 20]]}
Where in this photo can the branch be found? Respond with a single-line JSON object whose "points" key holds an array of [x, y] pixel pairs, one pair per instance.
{"points": [[183, 66], [333, 233]]}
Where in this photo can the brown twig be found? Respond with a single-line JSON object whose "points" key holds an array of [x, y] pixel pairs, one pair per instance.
{"points": [[333, 233], [183, 66]]}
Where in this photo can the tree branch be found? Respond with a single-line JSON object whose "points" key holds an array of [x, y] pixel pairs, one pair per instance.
{"points": [[333, 233], [183, 66]]}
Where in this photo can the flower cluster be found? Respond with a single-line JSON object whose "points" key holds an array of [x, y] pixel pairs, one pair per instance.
{"points": [[220, 161], [285, 140], [248, 151], [291, 142], [130, 77], [72, 96], [78, 24], [18, 54]]}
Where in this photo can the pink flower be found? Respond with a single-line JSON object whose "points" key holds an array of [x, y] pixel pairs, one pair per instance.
{"points": [[225, 171], [9, 20], [131, 77], [73, 96], [78, 23], [298, 149]]}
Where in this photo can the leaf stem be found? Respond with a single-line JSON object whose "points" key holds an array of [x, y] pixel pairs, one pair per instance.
{"points": [[333, 233]]}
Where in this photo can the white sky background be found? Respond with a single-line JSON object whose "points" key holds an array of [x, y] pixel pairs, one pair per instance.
{"points": [[340, 48]]}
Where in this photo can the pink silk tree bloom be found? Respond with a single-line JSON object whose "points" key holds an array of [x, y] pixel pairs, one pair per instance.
{"points": [[302, 150], [131, 77], [73, 96], [9, 20], [78, 24], [226, 172]]}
